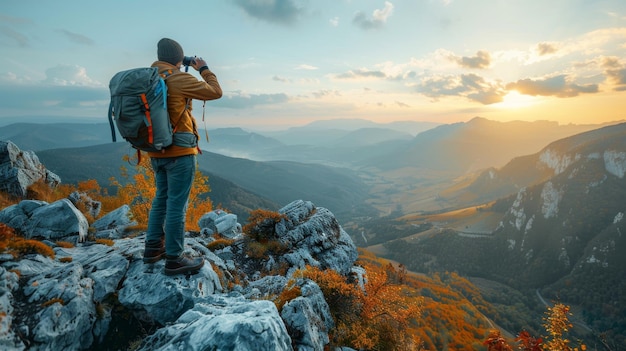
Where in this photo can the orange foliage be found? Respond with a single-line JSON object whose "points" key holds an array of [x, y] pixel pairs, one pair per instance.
{"points": [[28, 246], [496, 342], [65, 244], [528, 343], [140, 189], [6, 200], [107, 242], [262, 224], [52, 302], [374, 318], [219, 243], [18, 246], [557, 324], [287, 295]]}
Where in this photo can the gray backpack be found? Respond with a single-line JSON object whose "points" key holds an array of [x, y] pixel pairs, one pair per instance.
{"points": [[139, 108]]}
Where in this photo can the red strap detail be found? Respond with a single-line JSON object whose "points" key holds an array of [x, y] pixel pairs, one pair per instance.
{"points": [[147, 107]]}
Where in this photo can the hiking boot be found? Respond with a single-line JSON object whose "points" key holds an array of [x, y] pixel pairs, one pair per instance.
{"points": [[182, 265], [153, 252]]}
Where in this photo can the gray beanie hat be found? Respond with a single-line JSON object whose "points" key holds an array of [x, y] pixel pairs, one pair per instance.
{"points": [[170, 51]]}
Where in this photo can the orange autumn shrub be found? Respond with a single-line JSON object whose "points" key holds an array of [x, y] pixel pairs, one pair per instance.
{"points": [[18, 246], [375, 317], [139, 190]]}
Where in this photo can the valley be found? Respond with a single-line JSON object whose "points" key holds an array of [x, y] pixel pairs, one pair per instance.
{"points": [[541, 214]]}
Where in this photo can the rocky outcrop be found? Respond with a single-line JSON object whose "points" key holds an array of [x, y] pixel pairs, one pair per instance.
{"points": [[60, 220], [20, 169], [95, 295]]}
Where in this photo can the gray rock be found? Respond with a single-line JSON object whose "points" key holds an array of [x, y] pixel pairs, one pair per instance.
{"points": [[20, 169], [308, 318], [316, 238], [113, 225], [55, 221], [103, 264], [67, 310], [224, 323], [17, 216], [220, 222], [153, 296], [9, 340], [70, 302], [91, 206]]}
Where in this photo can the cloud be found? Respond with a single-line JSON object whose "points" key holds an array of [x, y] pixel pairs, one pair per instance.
{"points": [[379, 17], [558, 86], [546, 48], [67, 90], [18, 38], [361, 74], [273, 11], [481, 60], [280, 79], [77, 38], [325, 93], [63, 75], [6, 29], [334, 21], [239, 100], [47, 98], [615, 71], [470, 86], [306, 67]]}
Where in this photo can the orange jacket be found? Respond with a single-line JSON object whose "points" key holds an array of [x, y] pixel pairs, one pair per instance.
{"points": [[182, 87]]}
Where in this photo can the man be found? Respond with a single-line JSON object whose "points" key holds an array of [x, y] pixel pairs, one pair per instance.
{"points": [[175, 166]]}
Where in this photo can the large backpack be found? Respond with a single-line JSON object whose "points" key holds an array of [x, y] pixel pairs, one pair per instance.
{"points": [[139, 108]]}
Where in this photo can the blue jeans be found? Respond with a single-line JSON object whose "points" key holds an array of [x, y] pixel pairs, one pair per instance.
{"points": [[173, 177]]}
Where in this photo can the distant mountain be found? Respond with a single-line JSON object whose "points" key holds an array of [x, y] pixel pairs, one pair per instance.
{"points": [[324, 132], [236, 142], [101, 162], [338, 189], [370, 136], [525, 171], [478, 144], [36, 136], [236, 183], [562, 232]]}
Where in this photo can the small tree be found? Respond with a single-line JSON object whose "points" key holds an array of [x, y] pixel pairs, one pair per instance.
{"points": [[496, 342], [557, 325]]}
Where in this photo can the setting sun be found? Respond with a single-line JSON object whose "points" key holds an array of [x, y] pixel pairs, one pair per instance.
{"points": [[514, 100]]}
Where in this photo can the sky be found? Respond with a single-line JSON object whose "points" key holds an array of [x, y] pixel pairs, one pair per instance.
{"points": [[284, 63]]}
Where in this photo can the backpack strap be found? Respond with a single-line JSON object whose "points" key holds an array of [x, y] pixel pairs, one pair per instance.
{"points": [[146, 110], [111, 121]]}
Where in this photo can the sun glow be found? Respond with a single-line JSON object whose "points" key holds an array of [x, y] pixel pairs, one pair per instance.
{"points": [[514, 100]]}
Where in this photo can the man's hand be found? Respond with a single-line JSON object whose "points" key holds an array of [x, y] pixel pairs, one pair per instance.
{"points": [[198, 63]]}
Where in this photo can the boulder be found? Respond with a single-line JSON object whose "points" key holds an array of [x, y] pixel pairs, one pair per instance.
{"points": [[224, 323], [220, 222], [113, 225], [315, 238], [308, 318], [60, 220], [20, 169]]}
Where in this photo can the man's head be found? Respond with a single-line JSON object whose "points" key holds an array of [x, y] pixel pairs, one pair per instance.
{"points": [[170, 51]]}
